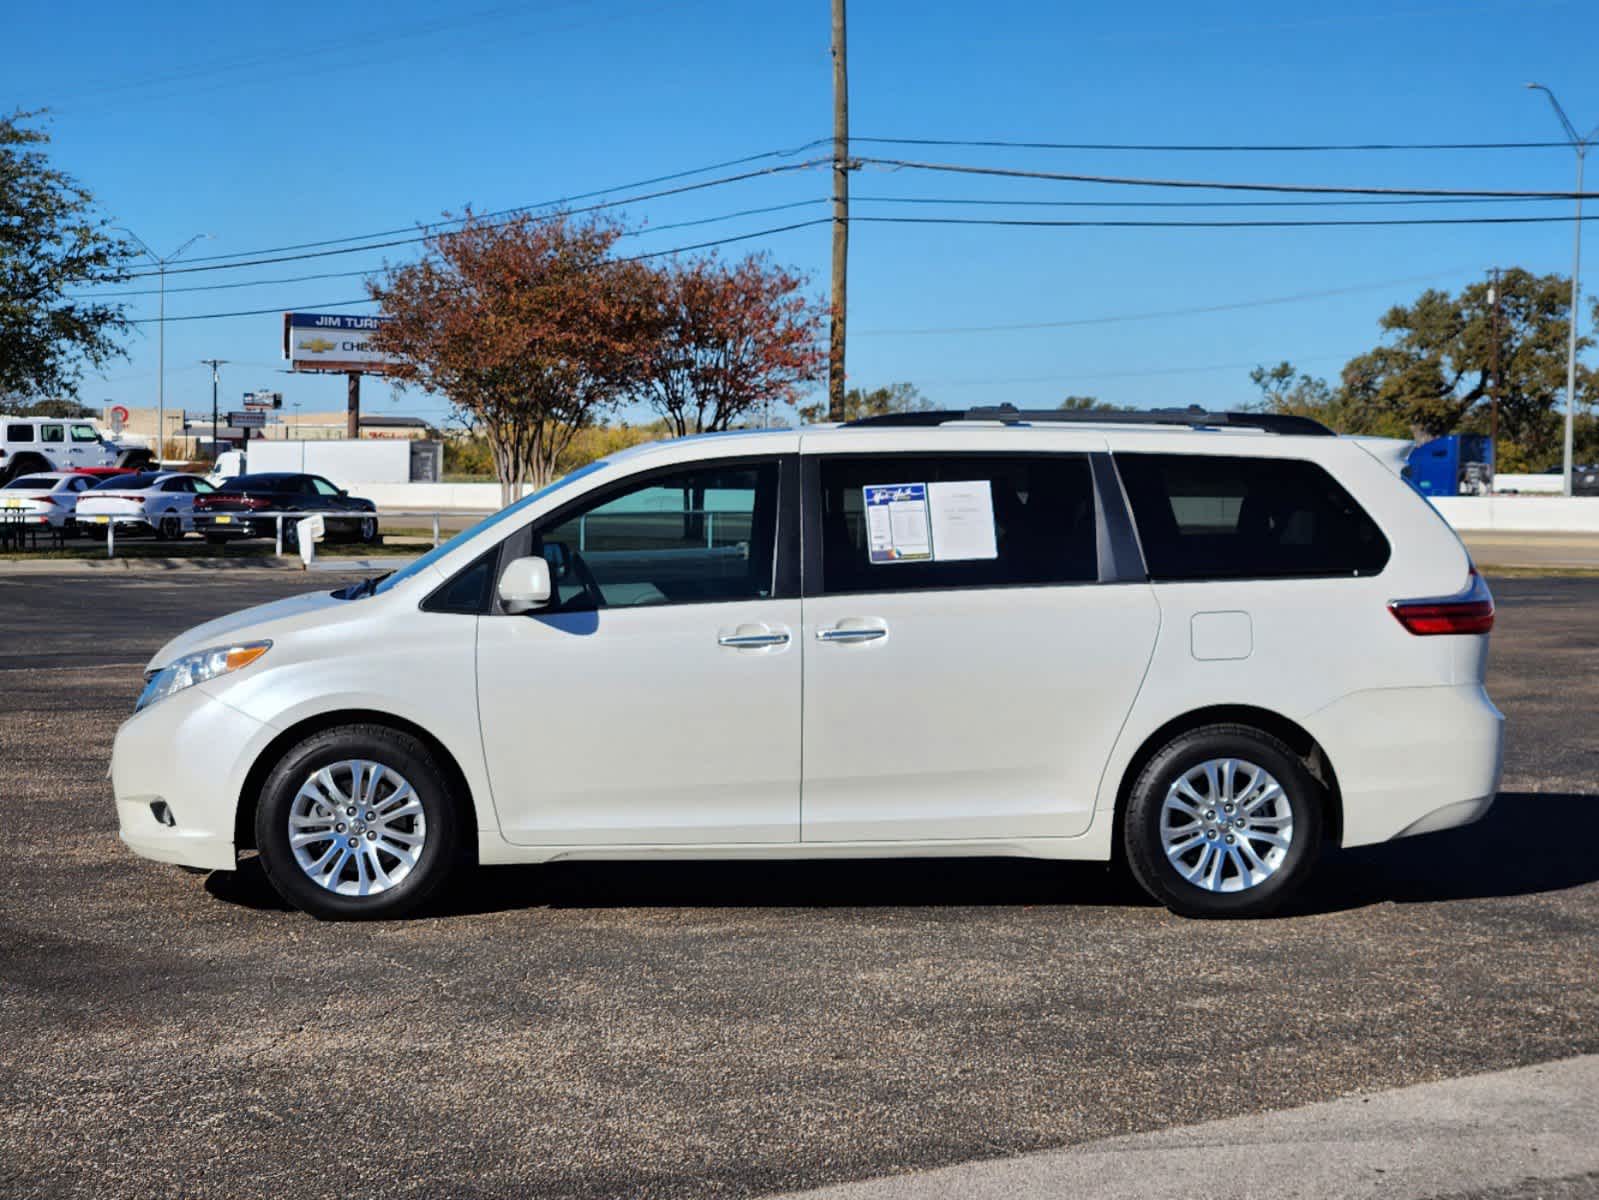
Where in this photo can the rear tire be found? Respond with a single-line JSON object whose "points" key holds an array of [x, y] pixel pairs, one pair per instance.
{"points": [[397, 828], [1224, 821], [169, 528]]}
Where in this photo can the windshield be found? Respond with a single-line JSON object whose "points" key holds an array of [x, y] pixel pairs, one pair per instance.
{"points": [[488, 522]]}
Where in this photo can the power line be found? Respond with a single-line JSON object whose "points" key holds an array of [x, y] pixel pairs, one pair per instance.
{"points": [[1220, 185], [1352, 203], [281, 308], [1019, 222], [1147, 372], [411, 241], [556, 203], [1210, 148], [249, 283], [1162, 314]]}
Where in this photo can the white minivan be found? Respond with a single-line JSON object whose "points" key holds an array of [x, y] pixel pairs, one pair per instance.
{"points": [[1210, 644]]}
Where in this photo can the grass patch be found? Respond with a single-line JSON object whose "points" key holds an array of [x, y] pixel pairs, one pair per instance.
{"points": [[195, 548]]}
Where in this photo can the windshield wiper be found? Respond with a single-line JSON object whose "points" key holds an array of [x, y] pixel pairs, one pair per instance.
{"points": [[365, 588]]}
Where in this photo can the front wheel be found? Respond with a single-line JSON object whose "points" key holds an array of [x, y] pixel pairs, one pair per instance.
{"points": [[1223, 821], [357, 822]]}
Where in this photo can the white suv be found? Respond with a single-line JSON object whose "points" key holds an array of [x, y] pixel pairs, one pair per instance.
{"points": [[34, 445], [1211, 643]]}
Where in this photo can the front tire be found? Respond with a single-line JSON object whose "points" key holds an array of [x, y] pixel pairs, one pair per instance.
{"points": [[357, 823], [1224, 821]]}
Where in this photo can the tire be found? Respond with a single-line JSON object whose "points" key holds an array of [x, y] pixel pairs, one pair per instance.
{"points": [[137, 460], [24, 464], [367, 531], [169, 528], [292, 791], [1204, 875]]}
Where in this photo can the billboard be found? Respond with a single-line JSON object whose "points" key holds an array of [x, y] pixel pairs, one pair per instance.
{"points": [[332, 342]]}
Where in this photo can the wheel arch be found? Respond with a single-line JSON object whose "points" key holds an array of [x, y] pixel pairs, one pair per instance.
{"points": [[25, 462], [1290, 732], [255, 778]]}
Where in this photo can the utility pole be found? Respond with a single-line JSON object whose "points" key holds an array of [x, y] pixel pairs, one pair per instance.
{"points": [[1580, 145], [214, 363], [352, 419], [1495, 299], [161, 328], [835, 351]]}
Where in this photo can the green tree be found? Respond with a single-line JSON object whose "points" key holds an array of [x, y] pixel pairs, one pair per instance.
{"points": [[1084, 404], [879, 402], [1435, 371], [51, 243]]}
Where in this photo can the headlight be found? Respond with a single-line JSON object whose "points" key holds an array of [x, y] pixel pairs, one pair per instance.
{"points": [[197, 668]]}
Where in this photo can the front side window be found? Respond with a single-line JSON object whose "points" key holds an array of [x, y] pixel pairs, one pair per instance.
{"points": [[1213, 517], [51, 433], [900, 522], [323, 487], [702, 535], [84, 433], [19, 433]]}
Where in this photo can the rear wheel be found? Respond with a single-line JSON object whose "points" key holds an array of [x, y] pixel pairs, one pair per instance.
{"points": [[357, 822], [169, 528], [1224, 821]]}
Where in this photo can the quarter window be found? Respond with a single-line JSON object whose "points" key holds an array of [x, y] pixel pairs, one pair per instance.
{"points": [[1038, 511], [697, 536], [1213, 517], [19, 433]]}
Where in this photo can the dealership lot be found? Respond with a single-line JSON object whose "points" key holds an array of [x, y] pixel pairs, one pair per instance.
{"points": [[692, 1029]]}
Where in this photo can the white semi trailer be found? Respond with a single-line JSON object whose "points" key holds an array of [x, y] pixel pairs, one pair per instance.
{"points": [[344, 461]]}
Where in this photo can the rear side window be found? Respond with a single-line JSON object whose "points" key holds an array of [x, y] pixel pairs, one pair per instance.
{"points": [[1038, 509], [1211, 517]]}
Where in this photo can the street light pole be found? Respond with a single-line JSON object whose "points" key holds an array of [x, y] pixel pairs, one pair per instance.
{"points": [[1580, 145], [161, 328]]}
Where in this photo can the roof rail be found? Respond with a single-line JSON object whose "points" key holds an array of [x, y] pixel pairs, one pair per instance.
{"points": [[1193, 418]]}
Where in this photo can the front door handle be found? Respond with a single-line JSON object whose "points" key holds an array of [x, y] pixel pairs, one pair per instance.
{"points": [[854, 633], [756, 637]]}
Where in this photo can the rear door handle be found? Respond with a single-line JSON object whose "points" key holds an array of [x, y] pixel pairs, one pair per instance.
{"points": [[753, 637], [856, 633]]}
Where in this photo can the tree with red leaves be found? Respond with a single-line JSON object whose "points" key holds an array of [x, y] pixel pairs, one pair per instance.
{"points": [[529, 327], [733, 339]]}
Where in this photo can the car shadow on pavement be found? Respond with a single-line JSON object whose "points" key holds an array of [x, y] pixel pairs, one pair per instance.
{"points": [[1510, 852], [1527, 843]]}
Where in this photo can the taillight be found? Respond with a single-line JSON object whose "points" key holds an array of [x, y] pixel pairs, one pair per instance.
{"points": [[1472, 611]]}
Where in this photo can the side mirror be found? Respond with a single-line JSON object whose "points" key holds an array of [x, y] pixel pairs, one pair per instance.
{"points": [[525, 585]]}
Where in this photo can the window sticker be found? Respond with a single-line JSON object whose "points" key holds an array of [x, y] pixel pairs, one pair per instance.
{"points": [[897, 527], [962, 519]]}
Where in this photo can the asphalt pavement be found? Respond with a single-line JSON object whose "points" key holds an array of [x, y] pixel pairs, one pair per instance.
{"points": [[693, 1030]]}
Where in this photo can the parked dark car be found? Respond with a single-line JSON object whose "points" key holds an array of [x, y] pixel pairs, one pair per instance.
{"points": [[245, 505], [1585, 480]]}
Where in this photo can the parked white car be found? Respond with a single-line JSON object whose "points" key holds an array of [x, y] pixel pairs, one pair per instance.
{"points": [[35, 445], [49, 498], [159, 502], [1214, 642]]}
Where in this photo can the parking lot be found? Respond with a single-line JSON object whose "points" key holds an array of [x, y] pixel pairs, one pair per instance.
{"points": [[690, 1030]]}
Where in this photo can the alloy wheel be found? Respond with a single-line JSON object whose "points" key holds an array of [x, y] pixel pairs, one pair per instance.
{"points": [[357, 827], [1226, 825]]}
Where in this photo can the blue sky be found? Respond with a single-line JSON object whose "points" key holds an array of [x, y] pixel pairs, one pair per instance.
{"points": [[269, 125]]}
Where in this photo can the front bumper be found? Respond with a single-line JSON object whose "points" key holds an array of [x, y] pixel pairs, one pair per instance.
{"points": [[1412, 760], [184, 758]]}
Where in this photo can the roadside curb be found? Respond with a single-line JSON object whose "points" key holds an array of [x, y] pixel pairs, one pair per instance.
{"points": [[212, 566]]}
